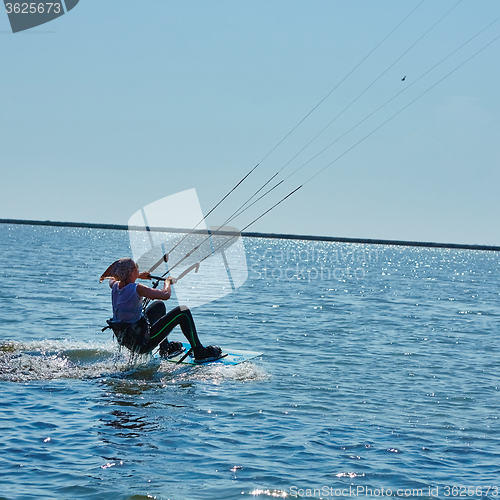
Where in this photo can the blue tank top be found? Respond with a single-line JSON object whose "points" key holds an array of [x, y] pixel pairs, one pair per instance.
{"points": [[127, 303]]}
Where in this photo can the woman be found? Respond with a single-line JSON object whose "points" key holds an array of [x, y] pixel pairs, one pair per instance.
{"points": [[142, 331]]}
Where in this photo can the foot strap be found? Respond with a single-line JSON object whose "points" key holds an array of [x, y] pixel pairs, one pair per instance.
{"points": [[185, 356]]}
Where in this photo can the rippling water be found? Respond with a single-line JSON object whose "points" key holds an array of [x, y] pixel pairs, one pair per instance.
{"points": [[380, 372]]}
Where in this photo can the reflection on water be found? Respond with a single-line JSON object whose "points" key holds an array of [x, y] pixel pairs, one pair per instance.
{"points": [[133, 424]]}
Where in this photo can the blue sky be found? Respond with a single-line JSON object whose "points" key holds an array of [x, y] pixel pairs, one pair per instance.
{"points": [[120, 103]]}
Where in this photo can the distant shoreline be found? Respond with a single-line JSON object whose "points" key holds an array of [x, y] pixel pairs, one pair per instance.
{"points": [[249, 234]]}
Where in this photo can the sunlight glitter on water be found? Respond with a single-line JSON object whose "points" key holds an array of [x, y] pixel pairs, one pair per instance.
{"points": [[214, 373], [269, 493], [385, 383]]}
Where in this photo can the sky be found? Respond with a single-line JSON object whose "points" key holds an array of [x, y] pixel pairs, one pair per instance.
{"points": [[120, 103]]}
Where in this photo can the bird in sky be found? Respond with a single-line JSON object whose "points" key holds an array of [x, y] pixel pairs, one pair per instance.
{"points": [[403, 79]]}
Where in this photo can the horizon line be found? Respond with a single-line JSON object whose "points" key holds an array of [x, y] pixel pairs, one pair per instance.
{"points": [[251, 234]]}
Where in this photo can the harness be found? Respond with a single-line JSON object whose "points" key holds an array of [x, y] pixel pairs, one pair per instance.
{"points": [[134, 336]]}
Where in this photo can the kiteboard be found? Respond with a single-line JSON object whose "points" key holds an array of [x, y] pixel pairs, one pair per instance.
{"points": [[235, 357]]}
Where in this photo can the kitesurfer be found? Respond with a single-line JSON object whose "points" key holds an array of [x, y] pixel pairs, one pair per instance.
{"points": [[142, 331]]}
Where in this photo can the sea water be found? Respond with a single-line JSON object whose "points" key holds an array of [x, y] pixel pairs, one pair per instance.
{"points": [[380, 377]]}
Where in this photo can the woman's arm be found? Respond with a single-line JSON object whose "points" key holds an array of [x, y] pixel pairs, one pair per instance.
{"points": [[152, 293]]}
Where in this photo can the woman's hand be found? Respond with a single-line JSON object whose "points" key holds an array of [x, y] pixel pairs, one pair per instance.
{"points": [[166, 285], [144, 276]]}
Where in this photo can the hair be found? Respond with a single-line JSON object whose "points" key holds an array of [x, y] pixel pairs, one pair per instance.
{"points": [[120, 270]]}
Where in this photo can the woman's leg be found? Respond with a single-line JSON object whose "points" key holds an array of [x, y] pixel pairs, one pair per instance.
{"points": [[179, 316], [155, 311]]}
